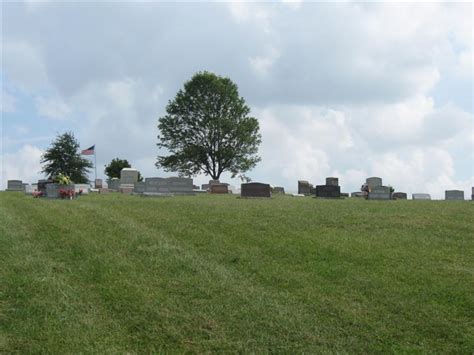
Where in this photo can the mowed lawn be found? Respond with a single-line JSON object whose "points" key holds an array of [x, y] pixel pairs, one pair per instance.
{"points": [[208, 273]]}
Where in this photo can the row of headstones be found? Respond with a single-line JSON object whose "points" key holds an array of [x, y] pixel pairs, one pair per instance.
{"points": [[173, 185]]}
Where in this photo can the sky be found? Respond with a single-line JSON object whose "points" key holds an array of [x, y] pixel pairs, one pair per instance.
{"points": [[343, 89]]}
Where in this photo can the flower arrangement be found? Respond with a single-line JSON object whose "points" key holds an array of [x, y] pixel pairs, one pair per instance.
{"points": [[67, 193], [37, 194], [62, 179]]}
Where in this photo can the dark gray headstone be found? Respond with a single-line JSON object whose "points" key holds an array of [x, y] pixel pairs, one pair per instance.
{"points": [[42, 185], [328, 191], [399, 196], [334, 181], [380, 193], [255, 189], [304, 187], [454, 195], [357, 194], [344, 194]]}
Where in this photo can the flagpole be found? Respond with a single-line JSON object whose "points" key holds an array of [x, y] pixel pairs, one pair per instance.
{"points": [[95, 165]]}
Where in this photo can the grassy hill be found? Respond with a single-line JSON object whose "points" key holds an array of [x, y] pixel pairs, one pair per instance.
{"points": [[124, 274]]}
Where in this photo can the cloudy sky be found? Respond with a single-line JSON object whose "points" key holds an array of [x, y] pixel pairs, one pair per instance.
{"points": [[340, 89]]}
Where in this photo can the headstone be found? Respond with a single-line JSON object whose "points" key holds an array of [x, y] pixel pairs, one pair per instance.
{"points": [[205, 187], [128, 176], [472, 194], [454, 195], [220, 189], [357, 194], [34, 187], [278, 190], [171, 185], [255, 189], [421, 196], [28, 189], [139, 187], [98, 183], [399, 196], [380, 193], [304, 187], [214, 182], [114, 184], [85, 188], [104, 190], [344, 194], [332, 181], [15, 185], [328, 191], [53, 190], [373, 182], [42, 185]]}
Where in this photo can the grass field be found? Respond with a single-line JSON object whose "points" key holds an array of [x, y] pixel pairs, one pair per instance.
{"points": [[124, 274]]}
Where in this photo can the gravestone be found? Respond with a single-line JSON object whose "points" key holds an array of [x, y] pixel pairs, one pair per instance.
{"points": [[380, 193], [421, 196], [85, 188], [304, 187], [205, 187], [34, 187], [472, 194], [332, 181], [128, 176], [15, 185], [328, 191], [126, 189], [114, 184], [98, 184], [344, 194], [52, 189], [357, 194], [220, 189], [104, 190], [373, 182], [139, 187], [454, 195], [171, 185], [399, 196], [42, 185], [278, 190], [255, 189]]}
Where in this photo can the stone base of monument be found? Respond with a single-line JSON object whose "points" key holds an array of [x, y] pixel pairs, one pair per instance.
{"points": [[165, 194], [126, 188], [380, 193]]}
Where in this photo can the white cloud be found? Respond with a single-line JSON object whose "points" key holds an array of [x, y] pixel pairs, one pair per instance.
{"points": [[52, 108], [8, 103], [23, 164]]}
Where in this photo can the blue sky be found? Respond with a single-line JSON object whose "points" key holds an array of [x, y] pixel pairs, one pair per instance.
{"points": [[340, 89]]}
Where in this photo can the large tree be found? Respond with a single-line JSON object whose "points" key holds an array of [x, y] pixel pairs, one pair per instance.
{"points": [[63, 157], [115, 167], [207, 129]]}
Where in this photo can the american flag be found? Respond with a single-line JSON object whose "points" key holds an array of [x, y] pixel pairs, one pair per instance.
{"points": [[88, 151]]}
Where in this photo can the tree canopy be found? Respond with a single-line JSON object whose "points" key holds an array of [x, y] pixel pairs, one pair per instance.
{"points": [[112, 170], [63, 157], [207, 129]]}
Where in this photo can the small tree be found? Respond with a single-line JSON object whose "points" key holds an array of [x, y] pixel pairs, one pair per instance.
{"points": [[63, 157], [208, 130], [115, 167]]}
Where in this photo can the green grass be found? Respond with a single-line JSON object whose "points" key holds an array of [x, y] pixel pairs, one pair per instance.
{"points": [[124, 274]]}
